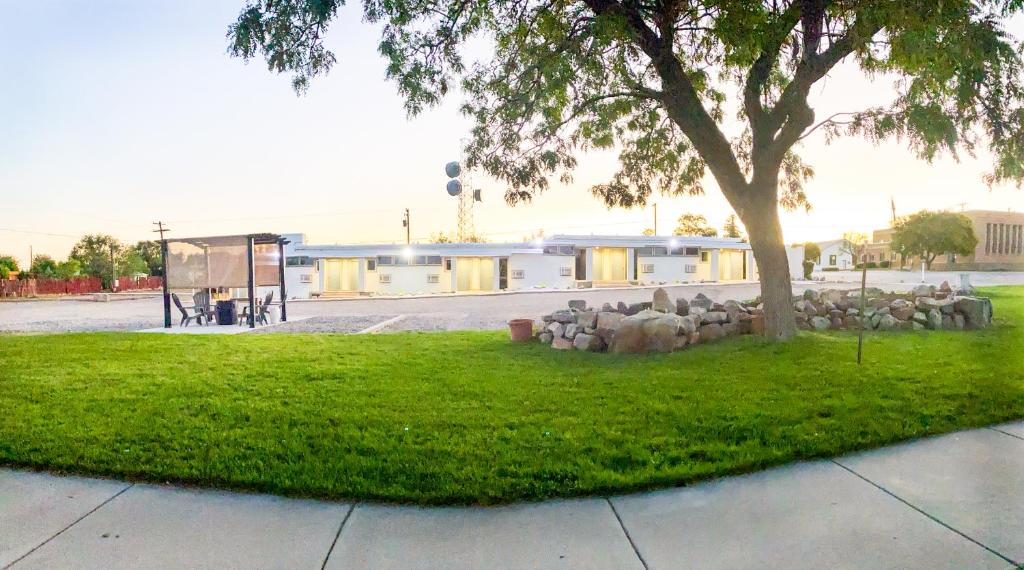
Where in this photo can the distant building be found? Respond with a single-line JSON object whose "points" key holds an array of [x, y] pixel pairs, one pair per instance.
{"points": [[832, 255], [557, 262], [1000, 245]]}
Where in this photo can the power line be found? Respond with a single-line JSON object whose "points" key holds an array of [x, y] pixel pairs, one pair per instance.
{"points": [[17, 231]]}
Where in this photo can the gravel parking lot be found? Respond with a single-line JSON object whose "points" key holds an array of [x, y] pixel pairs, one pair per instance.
{"points": [[450, 312]]}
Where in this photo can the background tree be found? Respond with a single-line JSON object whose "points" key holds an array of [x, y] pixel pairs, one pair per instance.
{"points": [[930, 234], [130, 263], [8, 265], [694, 225], [92, 252], [440, 237], [681, 89], [149, 252], [812, 252], [68, 269], [732, 229], [43, 266], [648, 232]]}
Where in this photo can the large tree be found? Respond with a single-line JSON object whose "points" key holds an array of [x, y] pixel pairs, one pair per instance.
{"points": [[681, 88], [930, 234], [93, 253]]}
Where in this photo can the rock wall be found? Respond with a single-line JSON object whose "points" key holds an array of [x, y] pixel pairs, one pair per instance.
{"points": [[664, 325]]}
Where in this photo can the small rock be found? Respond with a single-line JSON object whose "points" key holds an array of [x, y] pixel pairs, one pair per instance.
{"points": [[546, 337], [811, 295], [711, 332], [578, 304], [702, 301], [820, 323], [571, 330], [923, 290], [556, 329], [607, 307], [934, 319], [715, 317], [561, 344], [588, 342], [682, 307], [887, 323], [977, 311], [586, 319], [564, 316]]}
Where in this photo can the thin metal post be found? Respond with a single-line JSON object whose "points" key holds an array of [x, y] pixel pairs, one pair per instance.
{"points": [[167, 292], [863, 301], [250, 245], [284, 293]]}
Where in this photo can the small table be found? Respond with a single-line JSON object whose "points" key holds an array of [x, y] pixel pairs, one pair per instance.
{"points": [[227, 312]]}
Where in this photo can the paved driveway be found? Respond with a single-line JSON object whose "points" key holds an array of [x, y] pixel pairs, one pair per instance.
{"points": [[955, 501], [462, 312]]}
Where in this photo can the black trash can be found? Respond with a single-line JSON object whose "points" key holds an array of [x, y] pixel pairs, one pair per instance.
{"points": [[227, 313]]}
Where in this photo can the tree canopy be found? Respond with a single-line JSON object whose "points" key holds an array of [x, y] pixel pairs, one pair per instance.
{"points": [[929, 234], [812, 251], [681, 89], [694, 225], [8, 265], [732, 228], [43, 266]]}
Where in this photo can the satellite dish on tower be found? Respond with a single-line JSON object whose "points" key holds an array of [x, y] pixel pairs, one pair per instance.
{"points": [[453, 170], [454, 187]]}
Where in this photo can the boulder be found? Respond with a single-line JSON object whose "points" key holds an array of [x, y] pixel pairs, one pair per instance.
{"points": [[820, 323], [578, 304], [547, 319], [731, 329], [588, 342], [977, 311], [947, 323], [870, 312], [887, 323], [923, 290], [959, 322], [757, 325], [564, 316], [903, 311], [681, 342], [546, 337], [851, 322], [809, 309], [689, 324], [927, 303], [622, 307], [702, 301], [586, 319], [711, 332], [682, 307], [916, 326], [876, 318], [811, 295], [715, 317], [851, 312], [561, 344], [692, 338], [661, 332], [832, 295], [661, 302], [607, 307], [607, 324], [945, 288], [920, 317], [556, 329], [571, 330], [697, 311], [631, 337], [934, 319], [837, 323]]}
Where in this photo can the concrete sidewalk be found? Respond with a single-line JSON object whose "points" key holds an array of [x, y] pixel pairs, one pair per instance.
{"points": [[955, 501]]}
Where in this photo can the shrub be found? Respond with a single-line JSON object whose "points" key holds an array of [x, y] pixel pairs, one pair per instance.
{"points": [[808, 268]]}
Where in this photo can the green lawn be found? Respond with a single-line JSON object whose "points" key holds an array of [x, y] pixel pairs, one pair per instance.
{"points": [[470, 417]]}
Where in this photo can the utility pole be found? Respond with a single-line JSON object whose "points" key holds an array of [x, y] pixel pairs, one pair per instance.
{"points": [[407, 225], [31, 258], [655, 218], [160, 229]]}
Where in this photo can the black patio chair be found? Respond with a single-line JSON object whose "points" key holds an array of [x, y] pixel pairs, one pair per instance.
{"points": [[261, 311], [202, 301], [187, 318]]}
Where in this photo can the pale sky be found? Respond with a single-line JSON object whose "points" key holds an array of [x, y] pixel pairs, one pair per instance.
{"points": [[115, 114]]}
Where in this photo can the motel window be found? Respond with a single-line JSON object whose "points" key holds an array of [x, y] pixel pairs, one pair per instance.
{"points": [[647, 268], [559, 250], [704, 256], [565, 271], [831, 260], [371, 265], [651, 251], [385, 260], [447, 264], [692, 252], [299, 261]]}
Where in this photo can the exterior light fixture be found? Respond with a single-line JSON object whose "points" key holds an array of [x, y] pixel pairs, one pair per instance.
{"points": [[407, 252]]}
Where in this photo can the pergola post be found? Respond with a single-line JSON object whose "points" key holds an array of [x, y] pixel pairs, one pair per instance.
{"points": [[250, 246], [284, 293], [167, 291]]}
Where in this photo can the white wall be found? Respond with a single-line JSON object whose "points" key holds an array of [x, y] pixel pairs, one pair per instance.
{"points": [[795, 255], [843, 260], [667, 269], [407, 279], [293, 282], [541, 271]]}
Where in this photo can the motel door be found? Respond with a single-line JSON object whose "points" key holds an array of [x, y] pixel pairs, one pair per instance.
{"points": [[610, 264], [503, 273], [342, 275], [474, 274]]}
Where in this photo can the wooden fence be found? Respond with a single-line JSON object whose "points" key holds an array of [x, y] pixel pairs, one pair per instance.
{"points": [[75, 286]]}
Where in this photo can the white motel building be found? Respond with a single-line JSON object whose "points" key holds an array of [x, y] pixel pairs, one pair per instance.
{"points": [[556, 262]]}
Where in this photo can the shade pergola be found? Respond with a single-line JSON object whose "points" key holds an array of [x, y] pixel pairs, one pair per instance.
{"points": [[224, 262]]}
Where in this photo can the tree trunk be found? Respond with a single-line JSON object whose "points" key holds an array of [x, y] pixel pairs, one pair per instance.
{"points": [[762, 222]]}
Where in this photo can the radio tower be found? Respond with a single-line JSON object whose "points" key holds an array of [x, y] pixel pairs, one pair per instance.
{"points": [[466, 195]]}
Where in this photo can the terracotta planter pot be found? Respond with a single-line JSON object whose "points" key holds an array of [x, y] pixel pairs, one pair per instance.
{"points": [[521, 330]]}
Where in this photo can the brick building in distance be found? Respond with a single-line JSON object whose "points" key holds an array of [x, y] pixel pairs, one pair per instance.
{"points": [[1000, 245]]}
